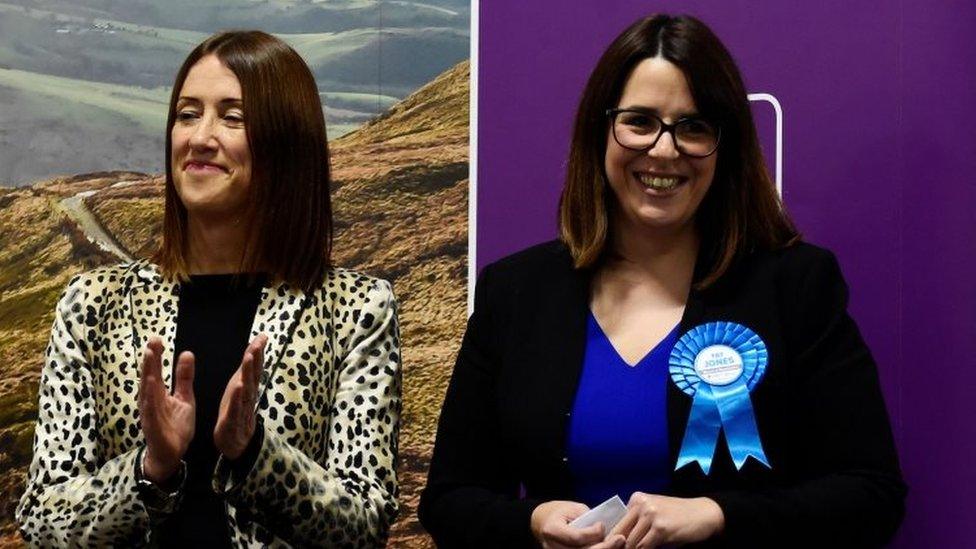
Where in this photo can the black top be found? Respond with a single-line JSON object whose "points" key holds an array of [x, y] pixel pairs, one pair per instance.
{"points": [[834, 480], [214, 322]]}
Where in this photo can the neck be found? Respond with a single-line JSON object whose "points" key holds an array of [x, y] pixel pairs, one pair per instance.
{"points": [[661, 260], [214, 247]]}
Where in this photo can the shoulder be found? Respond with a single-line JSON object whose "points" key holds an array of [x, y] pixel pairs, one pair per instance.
{"points": [[114, 274], [544, 260], [791, 268], [538, 278], [360, 306], [102, 284], [803, 279], [799, 258], [348, 281], [349, 288], [89, 296]]}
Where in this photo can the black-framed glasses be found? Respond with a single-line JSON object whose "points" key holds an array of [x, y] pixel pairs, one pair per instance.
{"points": [[639, 130]]}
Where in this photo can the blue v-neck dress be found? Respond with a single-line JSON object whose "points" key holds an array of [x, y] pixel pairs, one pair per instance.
{"points": [[618, 429]]}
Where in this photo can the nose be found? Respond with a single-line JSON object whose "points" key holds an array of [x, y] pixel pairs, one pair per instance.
{"points": [[203, 135], [665, 147]]}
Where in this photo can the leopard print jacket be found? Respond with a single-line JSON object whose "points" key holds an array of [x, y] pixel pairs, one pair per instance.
{"points": [[330, 407]]}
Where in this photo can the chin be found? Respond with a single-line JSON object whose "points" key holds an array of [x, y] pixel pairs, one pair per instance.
{"points": [[201, 203], [660, 220]]}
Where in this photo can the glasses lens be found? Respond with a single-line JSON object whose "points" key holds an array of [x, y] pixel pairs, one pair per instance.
{"points": [[635, 130], [638, 131], [696, 137]]}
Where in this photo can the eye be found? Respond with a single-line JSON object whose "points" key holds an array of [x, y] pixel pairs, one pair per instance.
{"points": [[696, 127], [234, 117], [185, 115], [636, 119], [637, 123]]}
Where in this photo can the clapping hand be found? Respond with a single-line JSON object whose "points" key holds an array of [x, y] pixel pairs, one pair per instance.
{"points": [[168, 420], [236, 421]]}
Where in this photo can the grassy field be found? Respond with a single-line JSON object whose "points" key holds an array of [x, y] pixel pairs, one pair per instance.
{"points": [[145, 107], [42, 136]]}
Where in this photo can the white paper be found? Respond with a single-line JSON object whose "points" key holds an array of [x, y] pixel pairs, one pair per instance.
{"points": [[609, 513]]}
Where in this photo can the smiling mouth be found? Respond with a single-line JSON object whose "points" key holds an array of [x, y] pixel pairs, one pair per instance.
{"points": [[659, 183], [202, 166]]}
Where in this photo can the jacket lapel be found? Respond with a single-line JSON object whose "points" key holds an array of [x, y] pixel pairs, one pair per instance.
{"points": [[152, 304], [556, 333], [566, 314], [565, 344], [566, 341], [277, 316], [703, 306], [678, 403]]}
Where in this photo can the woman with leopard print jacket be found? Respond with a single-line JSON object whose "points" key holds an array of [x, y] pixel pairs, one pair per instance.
{"points": [[238, 390]]}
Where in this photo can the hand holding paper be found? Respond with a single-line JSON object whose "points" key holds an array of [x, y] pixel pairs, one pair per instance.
{"points": [[607, 513], [551, 527], [655, 520]]}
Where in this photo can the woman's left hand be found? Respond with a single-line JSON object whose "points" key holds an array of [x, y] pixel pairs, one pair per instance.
{"points": [[236, 420], [653, 520]]}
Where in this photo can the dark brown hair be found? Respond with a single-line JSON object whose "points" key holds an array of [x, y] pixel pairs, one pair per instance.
{"points": [[290, 210], [741, 210]]}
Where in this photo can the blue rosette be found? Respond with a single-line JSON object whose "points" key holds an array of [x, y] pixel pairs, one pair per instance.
{"points": [[718, 364]]}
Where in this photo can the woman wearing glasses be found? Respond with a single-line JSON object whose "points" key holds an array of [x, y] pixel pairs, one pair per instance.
{"points": [[678, 346]]}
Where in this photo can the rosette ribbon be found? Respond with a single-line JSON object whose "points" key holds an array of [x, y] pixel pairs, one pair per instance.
{"points": [[718, 364]]}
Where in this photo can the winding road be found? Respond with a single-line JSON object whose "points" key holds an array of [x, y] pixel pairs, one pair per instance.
{"points": [[76, 210]]}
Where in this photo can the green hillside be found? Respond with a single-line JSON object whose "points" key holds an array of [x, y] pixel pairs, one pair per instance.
{"points": [[104, 49], [84, 83], [274, 15], [146, 107]]}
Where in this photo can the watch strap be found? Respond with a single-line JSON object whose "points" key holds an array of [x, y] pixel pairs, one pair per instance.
{"points": [[155, 498]]}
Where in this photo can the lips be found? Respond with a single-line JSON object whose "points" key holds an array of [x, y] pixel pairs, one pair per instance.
{"points": [[202, 166], [661, 182]]}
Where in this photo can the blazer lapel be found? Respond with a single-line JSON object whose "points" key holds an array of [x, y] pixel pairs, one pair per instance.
{"points": [[277, 316], [566, 315], [559, 336], [153, 303], [678, 403], [567, 342]]}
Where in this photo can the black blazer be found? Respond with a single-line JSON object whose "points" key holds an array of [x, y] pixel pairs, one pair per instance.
{"points": [[834, 481]]}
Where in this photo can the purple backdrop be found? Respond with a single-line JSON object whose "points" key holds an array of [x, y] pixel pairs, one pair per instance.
{"points": [[879, 164]]}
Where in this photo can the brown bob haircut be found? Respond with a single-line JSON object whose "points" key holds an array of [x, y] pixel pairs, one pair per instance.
{"points": [[290, 210], [740, 212]]}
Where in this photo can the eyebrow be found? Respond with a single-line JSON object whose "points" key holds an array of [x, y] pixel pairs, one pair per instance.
{"points": [[651, 110], [225, 101]]}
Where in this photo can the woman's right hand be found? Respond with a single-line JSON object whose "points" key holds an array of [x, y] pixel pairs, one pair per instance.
{"points": [[168, 420], [550, 527]]}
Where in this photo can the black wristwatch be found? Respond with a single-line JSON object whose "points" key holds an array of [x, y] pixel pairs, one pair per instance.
{"points": [[156, 499]]}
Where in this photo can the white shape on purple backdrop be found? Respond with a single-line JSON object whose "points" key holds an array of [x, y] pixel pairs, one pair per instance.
{"points": [[769, 98]]}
